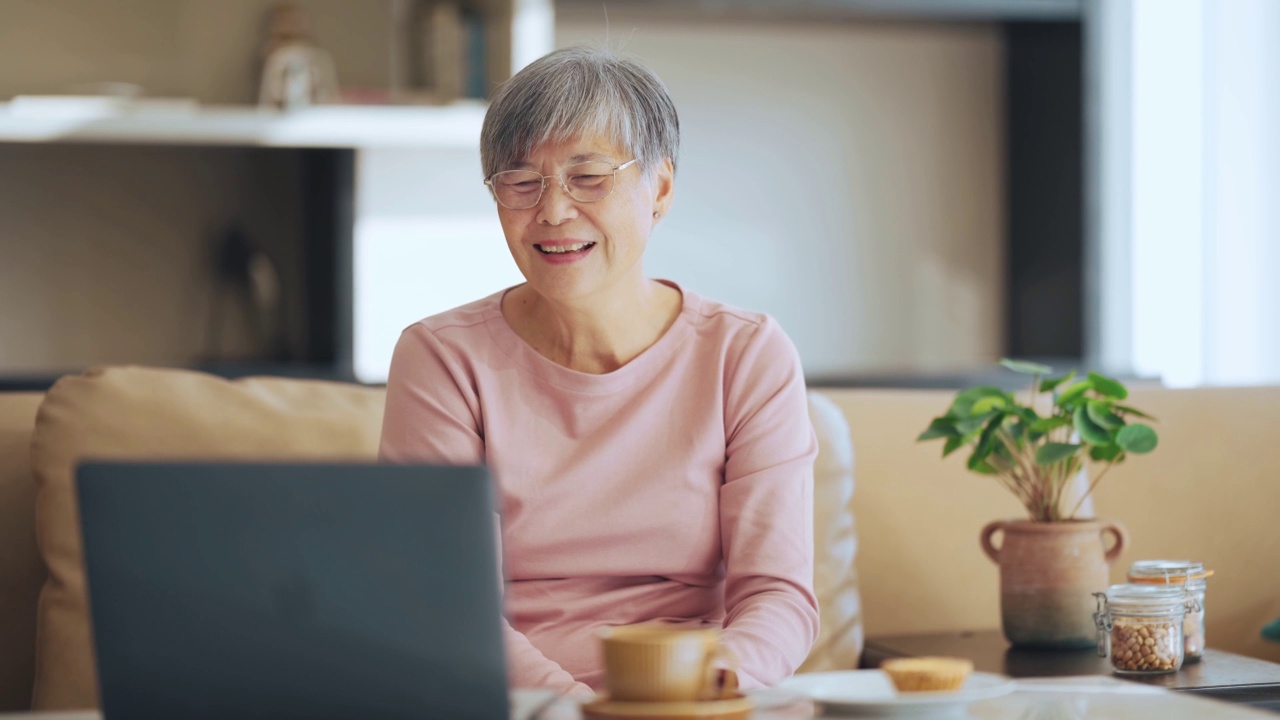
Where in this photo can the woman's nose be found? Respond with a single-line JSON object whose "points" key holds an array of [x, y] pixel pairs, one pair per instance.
{"points": [[556, 205]]}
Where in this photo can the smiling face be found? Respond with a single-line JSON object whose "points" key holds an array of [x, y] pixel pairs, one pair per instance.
{"points": [[574, 252]]}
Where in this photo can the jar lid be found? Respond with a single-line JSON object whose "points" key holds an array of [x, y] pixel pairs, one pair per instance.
{"points": [[1148, 598], [1168, 572]]}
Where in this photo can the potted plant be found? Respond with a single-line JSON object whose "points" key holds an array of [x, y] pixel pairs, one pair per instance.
{"points": [[1052, 562]]}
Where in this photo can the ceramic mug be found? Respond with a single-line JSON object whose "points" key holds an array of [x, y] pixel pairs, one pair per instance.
{"points": [[663, 663]]}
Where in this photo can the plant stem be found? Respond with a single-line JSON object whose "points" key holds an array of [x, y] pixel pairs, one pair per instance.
{"points": [[1014, 481], [1035, 384], [1025, 487], [1089, 492], [1011, 479], [1069, 472], [1019, 455]]}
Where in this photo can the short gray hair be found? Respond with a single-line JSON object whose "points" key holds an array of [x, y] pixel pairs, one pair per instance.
{"points": [[580, 91]]}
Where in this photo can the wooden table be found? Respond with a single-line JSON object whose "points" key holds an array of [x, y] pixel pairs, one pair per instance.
{"points": [[1058, 698], [1220, 675]]}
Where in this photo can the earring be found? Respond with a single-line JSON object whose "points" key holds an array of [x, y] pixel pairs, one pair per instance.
{"points": [[655, 214]]}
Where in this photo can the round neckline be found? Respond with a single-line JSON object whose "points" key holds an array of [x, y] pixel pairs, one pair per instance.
{"points": [[637, 368]]}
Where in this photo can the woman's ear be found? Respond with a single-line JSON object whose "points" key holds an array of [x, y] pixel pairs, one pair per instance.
{"points": [[664, 180]]}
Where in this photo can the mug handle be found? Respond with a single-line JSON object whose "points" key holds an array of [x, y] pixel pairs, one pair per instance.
{"points": [[1121, 536], [992, 551], [720, 680]]}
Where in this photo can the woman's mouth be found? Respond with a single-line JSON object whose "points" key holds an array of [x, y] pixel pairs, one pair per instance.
{"points": [[565, 249]]}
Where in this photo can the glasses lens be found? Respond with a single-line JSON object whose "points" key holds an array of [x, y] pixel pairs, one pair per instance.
{"points": [[517, 189], [589, 182]]}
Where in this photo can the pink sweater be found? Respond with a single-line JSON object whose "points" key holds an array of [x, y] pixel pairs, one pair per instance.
{"points": [[677, 488]]}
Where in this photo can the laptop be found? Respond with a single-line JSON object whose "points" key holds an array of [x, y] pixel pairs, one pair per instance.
{"points": [[233, 590]]}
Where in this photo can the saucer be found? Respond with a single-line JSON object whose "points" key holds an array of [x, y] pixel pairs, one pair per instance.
{"points": [[871, 692], [734, 707]]}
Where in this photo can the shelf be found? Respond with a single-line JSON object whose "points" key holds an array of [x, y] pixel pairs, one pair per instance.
{"points": [[322, 126], [833, 10], [41, 382]]}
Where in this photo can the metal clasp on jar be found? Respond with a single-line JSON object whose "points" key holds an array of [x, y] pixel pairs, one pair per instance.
{"points": [[1102, 618]]}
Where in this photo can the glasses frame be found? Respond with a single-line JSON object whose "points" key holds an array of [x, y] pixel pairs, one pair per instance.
{"points": [[613, 183]]}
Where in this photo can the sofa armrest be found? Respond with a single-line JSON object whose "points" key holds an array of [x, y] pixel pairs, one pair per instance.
{"points": [[21, 572], [835, 581]]}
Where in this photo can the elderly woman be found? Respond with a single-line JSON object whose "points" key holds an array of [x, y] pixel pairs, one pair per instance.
{"points": [[651, 448]]}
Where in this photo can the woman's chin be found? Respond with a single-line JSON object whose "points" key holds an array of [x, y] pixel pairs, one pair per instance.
{"points": [[565, 290]]}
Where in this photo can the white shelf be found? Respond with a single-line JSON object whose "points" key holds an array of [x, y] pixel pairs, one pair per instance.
{"points": [[835, 10], [323, 126]]}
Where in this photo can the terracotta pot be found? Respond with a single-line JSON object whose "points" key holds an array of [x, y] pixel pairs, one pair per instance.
{"points": [[1048, 574]]}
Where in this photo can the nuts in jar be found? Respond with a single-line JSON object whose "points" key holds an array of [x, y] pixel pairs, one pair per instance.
{"points": [[1190, 575], [1144, 644], [1140, 627]]}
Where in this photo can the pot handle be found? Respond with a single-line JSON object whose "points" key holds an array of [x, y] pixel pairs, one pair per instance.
{"points": [[1121, 536], [992, 551]]}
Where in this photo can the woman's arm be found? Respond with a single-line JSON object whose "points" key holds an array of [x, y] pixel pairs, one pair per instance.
{"points": [[432, 415], [766, 510], [432, 412]]}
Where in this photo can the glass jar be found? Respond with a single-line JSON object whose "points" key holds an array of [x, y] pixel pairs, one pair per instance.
{"points": [[1191, 576], [1140, 627]]}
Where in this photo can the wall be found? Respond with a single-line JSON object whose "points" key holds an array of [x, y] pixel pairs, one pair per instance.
{"points": [[846, 178], [426, 239]]}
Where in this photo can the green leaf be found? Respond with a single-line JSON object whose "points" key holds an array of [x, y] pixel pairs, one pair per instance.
{"points": [[940, 427], [1100, 413], [1017, 431], [962, 406], [968, 425], [1028, 415], [1026, 418], [1026, 368], [987, 442], [989, 403], [1108, 387], [1132, 411], [1050, 423], [978, 464], [1111, 453], [1271, 631], [1138, 439], [1052, 383], [953, 444], [1073, 393], [1089, 430], [1050, 453]]}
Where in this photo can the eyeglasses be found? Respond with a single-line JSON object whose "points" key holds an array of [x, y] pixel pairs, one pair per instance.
{"points": [[585, 182]]}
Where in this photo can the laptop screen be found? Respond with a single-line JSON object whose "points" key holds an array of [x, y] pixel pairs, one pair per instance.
{"points": [[293, 590]]}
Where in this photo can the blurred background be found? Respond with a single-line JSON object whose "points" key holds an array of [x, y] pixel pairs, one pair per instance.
{"points": [[913, 188]]}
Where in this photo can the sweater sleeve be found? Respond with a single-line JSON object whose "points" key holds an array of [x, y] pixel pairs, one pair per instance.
{"points": [[766, 510], [432, 415]]}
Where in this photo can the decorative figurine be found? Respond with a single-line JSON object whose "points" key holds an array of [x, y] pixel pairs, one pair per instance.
{"points": [[296, 72]]}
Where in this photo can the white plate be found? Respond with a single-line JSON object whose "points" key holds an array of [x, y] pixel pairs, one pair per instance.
{"points": [[870, 692]]}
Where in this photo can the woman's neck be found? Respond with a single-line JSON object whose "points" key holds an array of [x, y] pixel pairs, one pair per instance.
{"points": [[595, 335]]}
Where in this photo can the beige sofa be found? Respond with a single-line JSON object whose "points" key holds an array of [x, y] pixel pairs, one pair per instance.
{"points": [[1209, 493]]}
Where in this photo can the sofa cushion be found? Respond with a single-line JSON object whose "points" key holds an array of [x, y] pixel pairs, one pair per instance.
{"points": [[839, 643], [145, 413], [21, 573]]}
